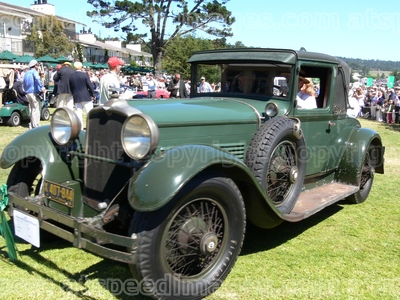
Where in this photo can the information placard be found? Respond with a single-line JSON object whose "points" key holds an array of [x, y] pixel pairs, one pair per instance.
{"points": [[27, 228]]}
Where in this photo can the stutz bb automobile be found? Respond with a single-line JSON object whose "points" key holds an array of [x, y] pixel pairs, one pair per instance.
{"points": [[167, 186]]}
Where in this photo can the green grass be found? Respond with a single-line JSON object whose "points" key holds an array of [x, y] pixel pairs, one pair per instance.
{"points": [[344, 252]]}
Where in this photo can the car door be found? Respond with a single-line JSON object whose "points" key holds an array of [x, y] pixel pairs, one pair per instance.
{"points": [[321, 125]]}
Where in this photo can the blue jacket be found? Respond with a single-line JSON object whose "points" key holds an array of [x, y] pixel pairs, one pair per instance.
{"points": [[81, 87], [32, 82]]}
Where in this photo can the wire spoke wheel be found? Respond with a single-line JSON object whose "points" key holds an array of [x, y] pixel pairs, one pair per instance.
{"points": [[191, 243], [282, 172], [274, 158], [194, 237]]}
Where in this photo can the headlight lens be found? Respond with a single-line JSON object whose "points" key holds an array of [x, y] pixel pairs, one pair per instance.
{"points": [[139, 136], [65, 126], [271, 109]]}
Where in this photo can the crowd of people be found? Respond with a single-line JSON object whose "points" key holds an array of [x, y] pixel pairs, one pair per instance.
{"points": [[79, 88], [378, 103]]}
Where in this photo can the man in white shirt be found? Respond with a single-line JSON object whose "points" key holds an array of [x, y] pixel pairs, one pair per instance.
{"points": [[204, 86], [152, 84], [110, 80]]}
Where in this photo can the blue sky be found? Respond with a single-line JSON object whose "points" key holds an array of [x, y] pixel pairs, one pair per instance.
{"points": [[366, 29]]}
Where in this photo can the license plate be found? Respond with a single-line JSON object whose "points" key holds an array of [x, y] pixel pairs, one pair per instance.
{"points": [[59, 193]]}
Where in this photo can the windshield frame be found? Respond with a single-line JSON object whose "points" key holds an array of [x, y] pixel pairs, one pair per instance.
{"points": [[234, 78]]}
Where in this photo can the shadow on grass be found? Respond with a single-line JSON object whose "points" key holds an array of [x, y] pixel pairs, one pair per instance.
{"points": [[394, 127], [115, 277], [111, 275], [259, 239]]}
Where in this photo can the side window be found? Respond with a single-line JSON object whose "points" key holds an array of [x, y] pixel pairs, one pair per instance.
{"points": [[317, 84]]}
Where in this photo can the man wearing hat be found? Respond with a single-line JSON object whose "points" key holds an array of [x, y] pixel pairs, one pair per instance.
{"points": [[204, 86], [111, 79], [33, 85], [152, 86], [61, 78]]}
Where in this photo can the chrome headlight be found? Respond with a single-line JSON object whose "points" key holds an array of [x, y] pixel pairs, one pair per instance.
{"points": [[271, 109], [64, 126], [139, 136]]}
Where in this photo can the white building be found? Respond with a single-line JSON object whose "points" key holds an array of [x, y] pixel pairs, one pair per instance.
{"points": [[15, 25]]}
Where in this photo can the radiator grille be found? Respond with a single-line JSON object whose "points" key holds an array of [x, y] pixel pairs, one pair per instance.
{"points": [[103, 180]]}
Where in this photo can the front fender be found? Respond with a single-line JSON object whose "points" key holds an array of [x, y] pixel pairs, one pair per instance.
{"points": [[350, 166], [162, 178], [38, 143]]}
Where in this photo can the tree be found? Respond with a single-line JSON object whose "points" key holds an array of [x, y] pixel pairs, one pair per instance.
{"points": [[179, 51], [49, 37], [79, 52], [396, 75], [166, 19]]}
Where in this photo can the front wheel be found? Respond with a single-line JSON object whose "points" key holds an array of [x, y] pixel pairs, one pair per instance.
{"points": [[187, 248], [25, 178]]}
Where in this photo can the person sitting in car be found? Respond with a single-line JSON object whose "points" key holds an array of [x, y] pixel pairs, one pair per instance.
{"points": [[244, 81], [306, 95], [18, 87]]}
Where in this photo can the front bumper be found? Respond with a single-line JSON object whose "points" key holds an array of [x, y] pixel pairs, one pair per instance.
{"points": [[81, 234]]}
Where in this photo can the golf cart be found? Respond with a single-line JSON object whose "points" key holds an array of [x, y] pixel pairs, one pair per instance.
{"points": [[13, 113]]}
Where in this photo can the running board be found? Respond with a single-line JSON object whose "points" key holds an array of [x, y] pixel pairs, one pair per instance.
{"points": [[314, 200]]}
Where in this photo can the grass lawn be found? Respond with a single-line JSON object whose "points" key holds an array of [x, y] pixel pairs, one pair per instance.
{"points": [[344, 252]]}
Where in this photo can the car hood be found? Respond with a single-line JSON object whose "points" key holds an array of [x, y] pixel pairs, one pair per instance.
{"points": [[204, 110]]}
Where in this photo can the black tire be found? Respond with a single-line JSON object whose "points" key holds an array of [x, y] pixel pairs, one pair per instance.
{"points": [[187, 248], [276, 156], [25, 178], [45, 115], [14, 120], [367, 178]]}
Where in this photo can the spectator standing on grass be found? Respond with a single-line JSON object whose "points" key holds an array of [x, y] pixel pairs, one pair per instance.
{"points": [[397, 107], [61, 78], [359, 95], [137, 82], [177, 87], [82, 90], [390, 110], [111, 79], [152, 86], [379, 103], [33, 85], [204, 86]]}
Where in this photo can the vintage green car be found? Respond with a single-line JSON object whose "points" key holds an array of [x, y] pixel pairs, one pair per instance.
{"points": [[167, 186]]}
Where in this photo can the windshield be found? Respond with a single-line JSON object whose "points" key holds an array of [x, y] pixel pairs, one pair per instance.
{"points": [[254, 80]]}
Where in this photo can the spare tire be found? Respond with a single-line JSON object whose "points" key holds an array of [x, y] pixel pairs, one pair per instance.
{"points": [[277, 158]]}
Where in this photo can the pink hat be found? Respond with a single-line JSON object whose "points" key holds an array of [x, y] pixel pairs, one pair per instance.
{"points": [[115, 61]]}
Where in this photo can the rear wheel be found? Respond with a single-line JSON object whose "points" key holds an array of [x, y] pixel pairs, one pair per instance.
{"points": [[14, 120], [367, 178], [187, 248]]}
